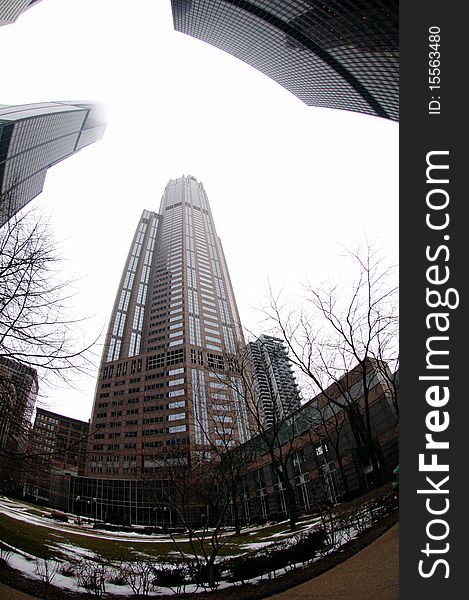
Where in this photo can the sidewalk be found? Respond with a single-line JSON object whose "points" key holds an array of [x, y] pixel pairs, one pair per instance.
{"points": [[371, 574], [8, 593]]}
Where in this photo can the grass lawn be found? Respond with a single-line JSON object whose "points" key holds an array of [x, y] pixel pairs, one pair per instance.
{"points": [[43, 537], [23, 536], [44, 540]]}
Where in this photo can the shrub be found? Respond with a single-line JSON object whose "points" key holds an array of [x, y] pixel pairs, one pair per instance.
{"points": [[67, 570], [279, 556], [5, 554], [139, 576], [174, 579], [46, 569], [59, 516], [117, 575], [306, 546], [206, 574], [91, 576], [248, 567]]}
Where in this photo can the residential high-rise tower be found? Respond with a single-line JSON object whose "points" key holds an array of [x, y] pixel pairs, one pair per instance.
{"points": [[162, 391], [334, 53], [275, 386], [33, 137]]}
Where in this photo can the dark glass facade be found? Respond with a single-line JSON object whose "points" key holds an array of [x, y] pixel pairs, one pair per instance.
{"points": [[339, 54], [10, 10], [125, 501], [34, 137]]}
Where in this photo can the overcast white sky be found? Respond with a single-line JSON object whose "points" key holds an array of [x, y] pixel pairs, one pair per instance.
{"points": [[290, 186]]}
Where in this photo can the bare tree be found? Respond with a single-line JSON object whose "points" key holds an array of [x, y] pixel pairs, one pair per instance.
{"points": [[197, 489], [198, 495], [139, 575], [345, 326], [35, 326], [276, 437], [329, 429], [39, 340]]}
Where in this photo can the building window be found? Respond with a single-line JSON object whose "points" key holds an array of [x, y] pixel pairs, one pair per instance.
{"points": [[176, 417], [215, 361], [177, 429], [136, 366], [175, 356]]}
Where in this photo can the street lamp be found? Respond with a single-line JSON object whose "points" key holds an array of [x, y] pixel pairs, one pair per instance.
{"points": [[90, 502], [75, 508], [165, 508]]}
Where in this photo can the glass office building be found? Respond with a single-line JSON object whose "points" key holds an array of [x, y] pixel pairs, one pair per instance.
{"points": [[34, 137], [339, 54], [10, 10]]}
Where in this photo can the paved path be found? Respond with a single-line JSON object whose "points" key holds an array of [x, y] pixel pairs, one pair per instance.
{"points": [[7, 593], [371, 574]]}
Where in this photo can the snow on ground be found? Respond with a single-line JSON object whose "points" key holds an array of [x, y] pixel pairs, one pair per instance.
{"points": [[74, 551], [254, 545], [15, 510], [26, 563], [27, 566], [287, 533]]}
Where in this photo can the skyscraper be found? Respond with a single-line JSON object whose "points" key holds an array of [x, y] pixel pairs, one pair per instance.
{"points": [[275, 386], [33, 137], [18, 393], [10, 10], [161, 392], [334, 53]]}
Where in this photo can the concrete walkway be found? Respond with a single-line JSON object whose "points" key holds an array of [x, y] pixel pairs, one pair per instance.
{"points": [[371, 574], [8, 593]]}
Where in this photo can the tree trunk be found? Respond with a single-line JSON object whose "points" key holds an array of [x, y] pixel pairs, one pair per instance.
{"points": [[236, 521]]}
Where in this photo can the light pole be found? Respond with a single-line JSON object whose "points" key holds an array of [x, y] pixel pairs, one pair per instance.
{"points": [[75, 510], [90, 502]]}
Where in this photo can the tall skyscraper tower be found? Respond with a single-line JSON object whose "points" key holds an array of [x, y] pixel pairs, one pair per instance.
{"points": [[334, 53], [162, 392], [33, 137], [275, 386], [10, 10]]}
